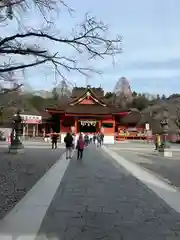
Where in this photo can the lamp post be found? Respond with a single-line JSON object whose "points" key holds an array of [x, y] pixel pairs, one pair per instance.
{"points": [[165, 130], [16, 144], [1, 114]]}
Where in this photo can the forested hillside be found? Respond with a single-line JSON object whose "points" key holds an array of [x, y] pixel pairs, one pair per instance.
{"points": [[144, 107]]}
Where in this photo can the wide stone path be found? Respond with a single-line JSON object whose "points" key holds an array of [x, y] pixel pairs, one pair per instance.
{"points": [[33, 145], [167, 168], [140, 146], [98, 199]]}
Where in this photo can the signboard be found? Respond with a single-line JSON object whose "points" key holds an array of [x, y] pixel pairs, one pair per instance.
{"points": [[147, 126], [88, 122], [149, 133], [31, 119], [132, 129]]}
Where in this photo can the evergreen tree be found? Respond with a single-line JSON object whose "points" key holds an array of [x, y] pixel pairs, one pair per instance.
{"points": [[163, 97], [55, 94]]}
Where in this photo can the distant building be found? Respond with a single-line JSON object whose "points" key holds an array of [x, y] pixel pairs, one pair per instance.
{"points": [[88, 112]]}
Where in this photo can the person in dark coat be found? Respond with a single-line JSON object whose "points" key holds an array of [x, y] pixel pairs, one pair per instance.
{"points": [[98, 140], [86, 139], [68, 140], [102, 138], [54, 138], [94, 138]]}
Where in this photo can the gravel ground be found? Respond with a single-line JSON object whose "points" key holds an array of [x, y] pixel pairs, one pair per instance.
{"points": [[167, 168], [19, 173]]}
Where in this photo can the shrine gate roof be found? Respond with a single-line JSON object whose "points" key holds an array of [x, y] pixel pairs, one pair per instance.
{"points": [[88, 93], [79, 91], [89, 109], [86, 103]]}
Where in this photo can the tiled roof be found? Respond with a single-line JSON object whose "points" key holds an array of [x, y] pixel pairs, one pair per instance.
{"points": [[78, 92], [132, 118], [89, 109], [73, 106], [61, 106], [84, 94], [45, 115], [31, 112]]}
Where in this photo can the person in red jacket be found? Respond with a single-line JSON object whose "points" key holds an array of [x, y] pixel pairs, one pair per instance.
{"points": [[80, 147]]}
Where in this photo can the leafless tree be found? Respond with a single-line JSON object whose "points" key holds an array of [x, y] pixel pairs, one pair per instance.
{"points": [[177, 121], [89, 39], [123, 93]]}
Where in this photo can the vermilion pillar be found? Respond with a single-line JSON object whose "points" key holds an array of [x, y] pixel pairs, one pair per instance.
{"points": [[100, 125], [61, 121]]}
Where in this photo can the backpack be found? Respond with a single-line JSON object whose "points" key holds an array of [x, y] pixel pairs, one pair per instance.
{"points": [[68, 141]]}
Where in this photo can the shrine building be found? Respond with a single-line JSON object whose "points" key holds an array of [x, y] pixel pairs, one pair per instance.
{"points": [[86, 111]]}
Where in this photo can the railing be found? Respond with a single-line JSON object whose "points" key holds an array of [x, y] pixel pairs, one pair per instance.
{"points": [[123, 138], [170, 137]]}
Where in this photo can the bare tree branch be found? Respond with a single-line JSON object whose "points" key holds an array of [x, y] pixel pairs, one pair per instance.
{"points": [[88, 40], [8, 8], [6, 3], [7, 90], [22, 66], [177, 120]]}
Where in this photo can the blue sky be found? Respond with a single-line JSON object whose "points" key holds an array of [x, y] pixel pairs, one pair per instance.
{"points": [[151, 44]]}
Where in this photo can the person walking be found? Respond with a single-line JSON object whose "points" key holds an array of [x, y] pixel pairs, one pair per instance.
{"points": [[98, 140], [102, 138], [54, 138], [90, 138], [74, 141], [157, 141], [86, 139], [68, 140], [80, 147], [94, 138]]}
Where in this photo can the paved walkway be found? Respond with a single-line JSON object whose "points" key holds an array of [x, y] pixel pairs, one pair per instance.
{"points": [[96, 199], [167, 168], [34, 144], [133, 146]]}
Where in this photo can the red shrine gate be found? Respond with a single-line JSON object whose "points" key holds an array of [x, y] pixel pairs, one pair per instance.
{"points": [[88, 113]]}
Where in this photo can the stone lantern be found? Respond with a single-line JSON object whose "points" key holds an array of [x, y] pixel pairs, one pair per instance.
{"points": [[16, 144], [165, 145]]}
